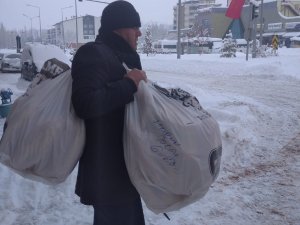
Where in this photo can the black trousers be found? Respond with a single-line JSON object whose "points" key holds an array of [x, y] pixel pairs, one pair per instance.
{"points": [[128, 214]]}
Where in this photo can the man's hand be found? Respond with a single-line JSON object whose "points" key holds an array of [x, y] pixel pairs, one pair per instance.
{"points": [[136, 75]]}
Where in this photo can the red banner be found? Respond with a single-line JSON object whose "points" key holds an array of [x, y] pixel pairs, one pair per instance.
{"points": [[235, 8]]}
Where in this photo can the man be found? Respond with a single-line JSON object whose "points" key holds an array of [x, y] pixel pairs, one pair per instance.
{"points": [[101, 89]]}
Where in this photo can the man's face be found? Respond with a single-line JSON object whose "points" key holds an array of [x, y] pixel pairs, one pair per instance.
{"points": [[130, 35]]}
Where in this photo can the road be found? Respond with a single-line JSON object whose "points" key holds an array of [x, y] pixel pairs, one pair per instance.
{"points": [[259, 181]]}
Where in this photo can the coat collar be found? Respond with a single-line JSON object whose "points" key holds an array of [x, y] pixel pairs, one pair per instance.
{"points": [[114, 41], [121, 48]]}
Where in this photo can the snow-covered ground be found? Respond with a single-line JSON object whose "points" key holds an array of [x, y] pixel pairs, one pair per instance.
{"points": [[257, 104]]}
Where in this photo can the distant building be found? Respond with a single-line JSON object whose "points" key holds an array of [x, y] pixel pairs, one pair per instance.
{"points": [[189, 11], [275, 22], [64, 32], [51, 36]]}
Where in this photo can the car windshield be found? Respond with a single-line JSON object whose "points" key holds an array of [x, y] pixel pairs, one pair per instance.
{"points": [[13, 56], [1, 55]]}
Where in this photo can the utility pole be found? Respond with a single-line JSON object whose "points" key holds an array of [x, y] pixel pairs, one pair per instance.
{"points": [[249, 29], [255, 14], [76, 16], [178, 30], [254, 47], [62, 28], [76, 24], [261, 23]]}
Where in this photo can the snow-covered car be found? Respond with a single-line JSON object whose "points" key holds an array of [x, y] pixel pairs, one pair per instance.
{"points": [[11, 62], [34, 56]]}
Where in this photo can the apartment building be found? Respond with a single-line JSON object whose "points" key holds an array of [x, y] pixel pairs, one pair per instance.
{"points": [[189, 11], [64, 32]]}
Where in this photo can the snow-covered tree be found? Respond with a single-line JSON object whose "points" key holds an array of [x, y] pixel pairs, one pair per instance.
{"points": [[148, 46], [199, 34], [158, 31], [229, 46]]}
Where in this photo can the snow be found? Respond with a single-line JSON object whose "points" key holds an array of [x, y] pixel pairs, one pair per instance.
{"points": [[256, 103], [204, 10], [291, 34], [295, 38], [254, 2], [7, 51]]}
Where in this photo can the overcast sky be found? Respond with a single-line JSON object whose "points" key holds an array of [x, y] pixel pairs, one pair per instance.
{"points": [[11, 11]]}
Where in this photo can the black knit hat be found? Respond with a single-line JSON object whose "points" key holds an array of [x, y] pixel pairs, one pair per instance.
{"points": [[119, 14]]}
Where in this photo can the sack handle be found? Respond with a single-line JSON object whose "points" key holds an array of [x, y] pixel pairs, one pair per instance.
{"points": [[128, 70], [126, 67]]}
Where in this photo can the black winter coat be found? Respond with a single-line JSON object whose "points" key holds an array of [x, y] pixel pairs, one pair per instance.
{"points": [[99, 95]]}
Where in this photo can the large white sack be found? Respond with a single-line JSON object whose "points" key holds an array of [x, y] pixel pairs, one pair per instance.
{"points": [[172, 147], [44, 138]]}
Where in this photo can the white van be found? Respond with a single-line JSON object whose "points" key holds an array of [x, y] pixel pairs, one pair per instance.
{"points": [[165, 46]]}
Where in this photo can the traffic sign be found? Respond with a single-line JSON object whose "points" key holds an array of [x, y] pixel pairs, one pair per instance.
{"points": [[275, 42]]}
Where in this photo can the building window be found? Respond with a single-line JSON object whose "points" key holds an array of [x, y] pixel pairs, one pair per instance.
{"points": [[86, 37], [193, 8], [205, 22], [88, 25]]}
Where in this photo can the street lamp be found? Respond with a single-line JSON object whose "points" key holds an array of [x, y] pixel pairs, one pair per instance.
{"points": [[39, 18], [62, 23], [76, 24], [30, 23]]}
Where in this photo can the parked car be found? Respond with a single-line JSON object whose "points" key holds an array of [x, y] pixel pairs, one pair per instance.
{"points": [[1, 56], [34, 56], [11, 62]]}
